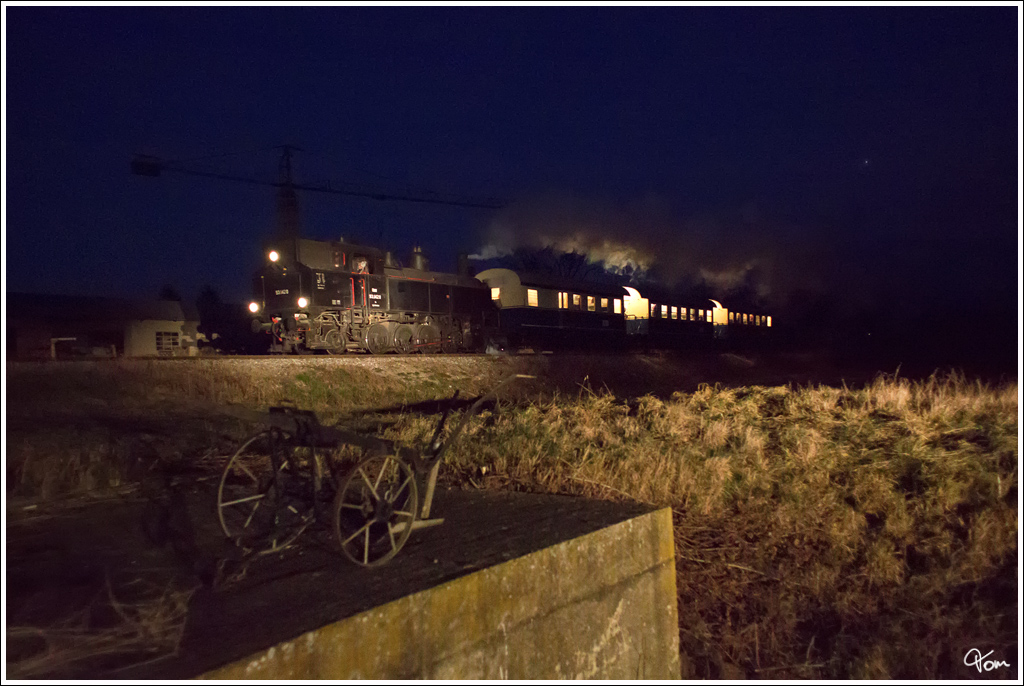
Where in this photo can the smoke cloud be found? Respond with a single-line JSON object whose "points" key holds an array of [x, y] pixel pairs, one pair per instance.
{"points": [[726, 250]]}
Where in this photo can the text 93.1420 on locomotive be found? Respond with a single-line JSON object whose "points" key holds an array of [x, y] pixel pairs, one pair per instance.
{"points": [[337, 297]]}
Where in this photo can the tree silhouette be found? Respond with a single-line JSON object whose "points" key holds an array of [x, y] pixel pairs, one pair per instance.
{"points": [[549, 262], [210, 310], [230, 323]]}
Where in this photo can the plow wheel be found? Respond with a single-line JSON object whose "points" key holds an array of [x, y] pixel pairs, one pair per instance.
{"points": [[377, 339], [267, 492], [374, 509], [404, 340]]}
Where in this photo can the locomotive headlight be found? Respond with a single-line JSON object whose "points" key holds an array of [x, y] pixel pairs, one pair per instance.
{"points": [[274, 256], [254, 307], [303, 302]]}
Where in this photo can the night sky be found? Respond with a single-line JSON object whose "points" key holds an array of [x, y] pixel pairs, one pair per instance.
{"points": [[865, 156]]}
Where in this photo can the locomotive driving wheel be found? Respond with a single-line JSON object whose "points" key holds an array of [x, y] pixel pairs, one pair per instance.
{"points": [[335, 340], [404, 340], [428, 340], [377, 339], [374, 509], [267, 492]]}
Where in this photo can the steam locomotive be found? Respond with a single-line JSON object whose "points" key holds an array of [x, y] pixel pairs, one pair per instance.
{"points": [[338, 297]]}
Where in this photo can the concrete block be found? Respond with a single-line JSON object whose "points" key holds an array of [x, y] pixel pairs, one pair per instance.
{"points": [[601, 605]]}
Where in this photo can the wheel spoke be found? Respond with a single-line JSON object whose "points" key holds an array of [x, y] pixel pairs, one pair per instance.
{"points": [[250, 498], [366, 547], [364, 527], [380, 474], [241, 465], [400, 489], [251, 515], [373, 490]]}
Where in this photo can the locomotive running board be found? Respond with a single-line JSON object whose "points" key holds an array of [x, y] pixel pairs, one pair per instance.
{"points": [[418, 524]]}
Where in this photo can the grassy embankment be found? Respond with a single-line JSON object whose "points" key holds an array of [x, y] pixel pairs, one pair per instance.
{"points": [[821, 532]]}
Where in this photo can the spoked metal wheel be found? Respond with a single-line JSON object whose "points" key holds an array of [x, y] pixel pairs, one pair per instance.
{"points": [[267, 492], [374, 509]]}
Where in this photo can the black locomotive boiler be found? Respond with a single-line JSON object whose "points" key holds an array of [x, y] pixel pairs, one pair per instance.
{"points": [[337, 297]]}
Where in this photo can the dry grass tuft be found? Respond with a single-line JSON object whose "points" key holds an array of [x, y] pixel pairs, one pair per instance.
{"points": [[134, 633]]}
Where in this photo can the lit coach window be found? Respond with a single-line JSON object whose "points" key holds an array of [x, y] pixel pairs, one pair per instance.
{"points": [[495, 294], [274, 256]]}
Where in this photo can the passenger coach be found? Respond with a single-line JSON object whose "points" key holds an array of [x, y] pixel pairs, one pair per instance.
{"points": [[546, 311]]}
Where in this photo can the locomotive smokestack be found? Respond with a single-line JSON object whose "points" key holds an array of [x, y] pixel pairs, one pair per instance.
{"points": [[464, 268], [419, 260]]}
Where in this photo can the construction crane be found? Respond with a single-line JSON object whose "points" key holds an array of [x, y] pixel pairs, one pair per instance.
{"points": [[287, 201], [148, 165]]}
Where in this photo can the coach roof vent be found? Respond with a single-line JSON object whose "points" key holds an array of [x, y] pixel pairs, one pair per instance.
{"points": [[419, 260]]}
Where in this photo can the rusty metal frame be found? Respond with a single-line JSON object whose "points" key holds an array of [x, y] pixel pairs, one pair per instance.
{"points": [[306, 431]]}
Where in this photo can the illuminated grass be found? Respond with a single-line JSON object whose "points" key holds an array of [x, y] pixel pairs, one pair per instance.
{"points": [[820, 532]]}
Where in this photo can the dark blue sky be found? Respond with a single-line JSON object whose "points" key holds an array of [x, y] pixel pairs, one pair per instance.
{"points": [[870, 153]]}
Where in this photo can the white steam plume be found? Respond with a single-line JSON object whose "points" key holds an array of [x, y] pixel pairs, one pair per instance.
{"points": [[726, 249]]}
